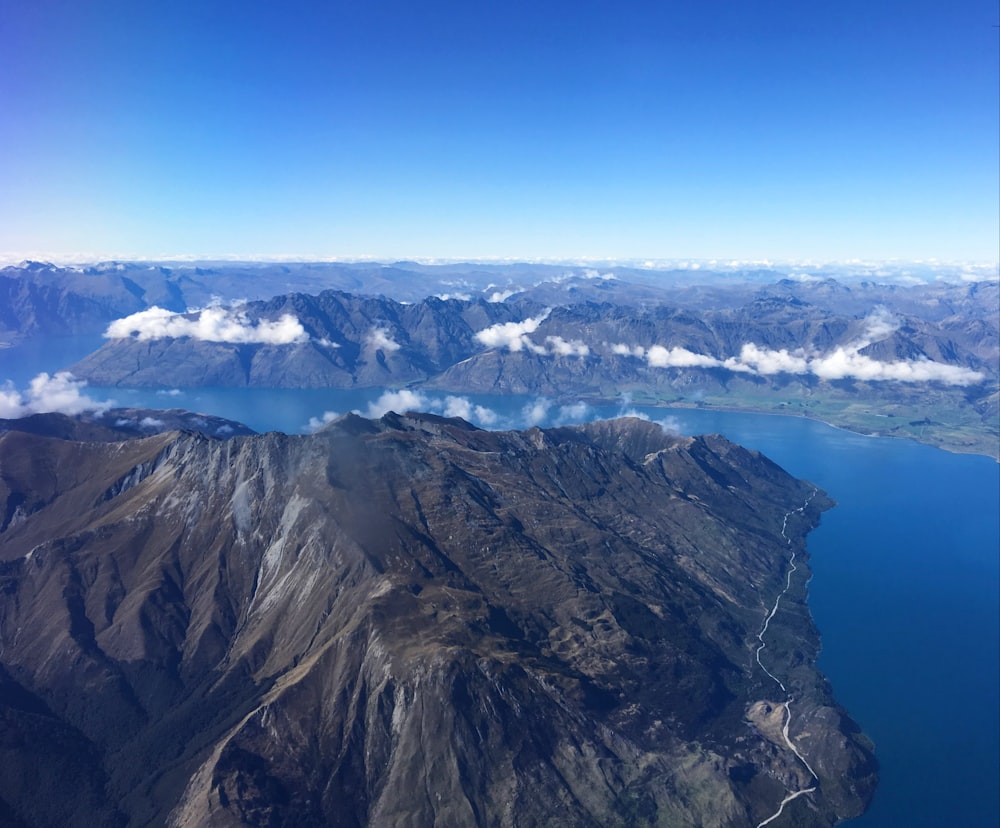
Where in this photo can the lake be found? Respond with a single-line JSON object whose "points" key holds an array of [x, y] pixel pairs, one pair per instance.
{"points": [[906, 581]]}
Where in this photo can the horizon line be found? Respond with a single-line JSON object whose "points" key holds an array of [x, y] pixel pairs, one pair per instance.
{"points": [[641, 262]]}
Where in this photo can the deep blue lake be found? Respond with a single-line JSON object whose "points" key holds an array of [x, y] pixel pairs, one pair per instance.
{"points": [[905, 589]]}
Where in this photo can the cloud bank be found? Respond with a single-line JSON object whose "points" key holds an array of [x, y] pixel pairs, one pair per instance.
{"points": [[61, 393], [215, 324], [843, 362]]}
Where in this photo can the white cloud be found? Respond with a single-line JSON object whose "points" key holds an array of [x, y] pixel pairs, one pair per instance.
{"points": [[879, 324], [563, 347], [576, 412], [670, 425], [500, 295], [979, 273], [622, 349], [60, 392], [467, 410], [380, 339], [150, 422], [316, 423], [484, 416], [171, 392], [843, 363], [593, 274], [11, 404], [513, 335], [212, 324], [765, 361], [400, 402], [406, 400], [464, 297], [458, 407], [659, 357], [535, 412]]}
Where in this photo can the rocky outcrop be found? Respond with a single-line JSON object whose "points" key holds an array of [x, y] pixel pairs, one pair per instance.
{"points": [[409, 622]]}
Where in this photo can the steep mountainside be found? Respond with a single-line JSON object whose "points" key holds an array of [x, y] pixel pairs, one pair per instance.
{"points": [[412, 622], [931, 374], [346, 341], [485, 346]]}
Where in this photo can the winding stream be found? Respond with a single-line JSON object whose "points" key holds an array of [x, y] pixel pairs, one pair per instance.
{"points": [[787, 704]]}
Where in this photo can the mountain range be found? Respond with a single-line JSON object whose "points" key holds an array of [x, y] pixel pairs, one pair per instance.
{"points": [[411, 621], [912, 355], [814, 349]]}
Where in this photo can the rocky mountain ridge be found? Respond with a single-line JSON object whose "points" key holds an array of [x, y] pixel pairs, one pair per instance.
{"points": [[409, 621], [936, 374], [354, 341]]}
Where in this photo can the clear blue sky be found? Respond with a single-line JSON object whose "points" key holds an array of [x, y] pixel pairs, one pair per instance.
{"points": [[395, 128]]}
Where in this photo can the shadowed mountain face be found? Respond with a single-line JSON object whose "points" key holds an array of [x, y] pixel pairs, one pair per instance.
{"points": [[928, 371], [583, 348], [410, 622], [910, 360]]}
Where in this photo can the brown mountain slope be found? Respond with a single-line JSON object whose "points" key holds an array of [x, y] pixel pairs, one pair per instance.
{"points": [[410, 622]]}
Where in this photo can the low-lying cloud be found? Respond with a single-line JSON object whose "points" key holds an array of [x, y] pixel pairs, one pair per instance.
{"points": [[316, 423], [843, 362], [381, 340], [406, 399], [766, 361], [670, 425], [879, 324], [563, 347], [512, 335], [214, 324], [61, 393], [536, 412], [577, 412], [847, 364], [659, 357], [467, 410], [450, 406]]}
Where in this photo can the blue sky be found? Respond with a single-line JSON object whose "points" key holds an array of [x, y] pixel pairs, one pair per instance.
{"points": [[861, 129]]}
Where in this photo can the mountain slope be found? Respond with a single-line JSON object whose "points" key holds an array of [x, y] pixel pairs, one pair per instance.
{"points": [[411, 622]]}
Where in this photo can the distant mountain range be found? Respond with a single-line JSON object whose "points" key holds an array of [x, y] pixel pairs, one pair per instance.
{"points": [[411, 621], [919, 360], [43, 298]]}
